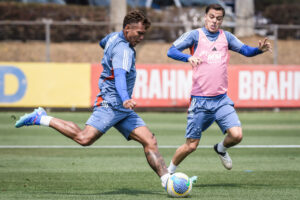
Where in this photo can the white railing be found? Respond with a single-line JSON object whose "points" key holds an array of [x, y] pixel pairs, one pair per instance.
{"points": [[48, 23]]}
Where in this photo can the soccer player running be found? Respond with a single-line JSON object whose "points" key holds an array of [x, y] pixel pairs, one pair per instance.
{"points": [[113, 106], [209, 102]]}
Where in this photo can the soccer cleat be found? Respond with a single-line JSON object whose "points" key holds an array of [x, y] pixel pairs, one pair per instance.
{"points": [[33, 118], [194, 179], [224, 157], [164, 180]]}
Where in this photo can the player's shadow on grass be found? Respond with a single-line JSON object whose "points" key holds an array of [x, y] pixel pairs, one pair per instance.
{"points": [[121, 191], [129, 191], [216, 185], [226, 185]]}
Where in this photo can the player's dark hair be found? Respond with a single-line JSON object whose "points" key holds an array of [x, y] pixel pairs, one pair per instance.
{"points": [[215, 7], [136, 16]]}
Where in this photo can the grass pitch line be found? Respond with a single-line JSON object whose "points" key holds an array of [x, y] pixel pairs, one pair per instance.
{"points": [[133, 147]]}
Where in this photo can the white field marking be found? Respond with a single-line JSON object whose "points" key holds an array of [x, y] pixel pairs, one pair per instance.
{"points": [[178, 126], [134, 147], [276, 127]]}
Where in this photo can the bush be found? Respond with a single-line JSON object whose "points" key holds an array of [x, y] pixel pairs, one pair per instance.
{"points": [[285, 14], [261, 5], [38, 12], [34, 12], [185, 18]]}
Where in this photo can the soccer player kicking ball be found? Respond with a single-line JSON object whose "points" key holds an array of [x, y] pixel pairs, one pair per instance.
{"points": [[113, 106], [209, 102]]}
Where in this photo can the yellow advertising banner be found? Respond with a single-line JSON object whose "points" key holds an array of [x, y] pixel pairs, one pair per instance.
{"points": [[45, 84]]}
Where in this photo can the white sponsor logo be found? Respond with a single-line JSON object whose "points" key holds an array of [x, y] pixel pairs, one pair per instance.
{"points": [[271, 85], [104, 104], [211, 57], [163, 84]]}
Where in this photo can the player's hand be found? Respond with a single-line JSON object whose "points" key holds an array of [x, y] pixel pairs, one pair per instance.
{"points": [[129, 104], [194, 61], [265, 45]]}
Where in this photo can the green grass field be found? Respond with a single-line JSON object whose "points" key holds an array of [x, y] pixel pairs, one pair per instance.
{"points": [[123, 173]]}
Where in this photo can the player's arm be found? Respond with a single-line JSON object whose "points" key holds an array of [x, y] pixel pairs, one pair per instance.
{"points": [[249, 51], [121, 87], [122, 61], [236, 45], [103, 42], [176, 54], [187, 40], [120, 83]]}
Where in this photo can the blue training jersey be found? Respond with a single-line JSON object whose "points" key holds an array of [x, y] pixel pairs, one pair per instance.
{"points": [[190, 40], [117, 54]]}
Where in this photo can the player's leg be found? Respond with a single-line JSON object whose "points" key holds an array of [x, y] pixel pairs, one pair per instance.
{"points": [[133, 127], [182, 152], [155, 160], [148, 140], [234, 136], [229, 123], [84, 137], [99, 122], [198, 120]]}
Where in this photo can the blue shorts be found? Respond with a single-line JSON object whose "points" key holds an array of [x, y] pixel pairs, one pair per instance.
{"points": [[203, 111], [104, 117]]}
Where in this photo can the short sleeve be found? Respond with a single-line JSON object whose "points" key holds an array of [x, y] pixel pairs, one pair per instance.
{"points": [[103, 42], [122, 57], [186, 40]]}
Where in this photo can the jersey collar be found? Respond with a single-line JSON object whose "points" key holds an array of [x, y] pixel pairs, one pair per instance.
{"points": [[210, 33], [121, 34]]}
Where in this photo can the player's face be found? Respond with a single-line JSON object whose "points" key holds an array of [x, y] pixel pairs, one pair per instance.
{"points": [[213, 20], [134, 33]]}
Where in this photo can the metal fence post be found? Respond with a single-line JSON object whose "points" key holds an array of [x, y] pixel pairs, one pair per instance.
{"points": [[275, 51], [47, 23]]}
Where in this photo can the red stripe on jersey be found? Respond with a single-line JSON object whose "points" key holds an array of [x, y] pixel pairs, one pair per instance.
{"points": [[111, 77], [99, 101], [192, 49]]}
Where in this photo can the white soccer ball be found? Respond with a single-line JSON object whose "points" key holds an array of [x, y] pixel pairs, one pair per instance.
{"points": [[179, 185]]}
